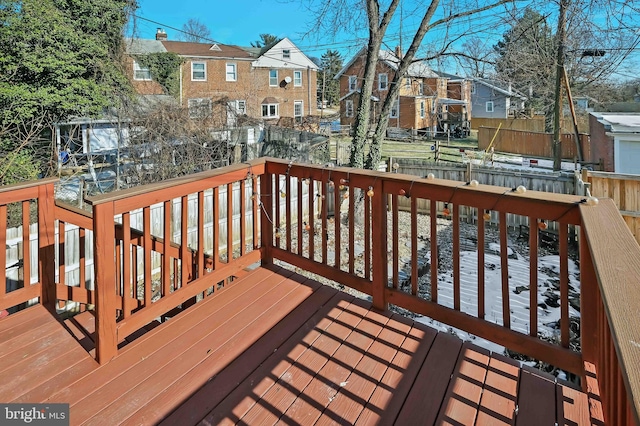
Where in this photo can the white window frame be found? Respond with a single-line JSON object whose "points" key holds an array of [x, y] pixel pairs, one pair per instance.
{"points": [[382, 77], [421, 88], [395, 110], [137, 69], [298, 116], [231, 75], [273, 79], [489, 107], [297, 78], [241, 106], [203, 71], [353, 83], [422, 109], [200, 107], [272, 110], [407, 82], [348, 108], [286, 53]]}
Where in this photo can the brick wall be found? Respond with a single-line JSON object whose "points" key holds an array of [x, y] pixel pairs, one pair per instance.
{"points": [[601, 144]]}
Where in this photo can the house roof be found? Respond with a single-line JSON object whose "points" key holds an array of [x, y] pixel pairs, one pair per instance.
{"points": [[206, 50], [416, 69], [138, 46], [617, 122], [499, 87], [273, 57]]}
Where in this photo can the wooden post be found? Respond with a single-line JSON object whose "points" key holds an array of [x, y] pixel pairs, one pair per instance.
{"points": [[589, 299], [379, 246], [46, 242], [105, 271], [266, 225]]}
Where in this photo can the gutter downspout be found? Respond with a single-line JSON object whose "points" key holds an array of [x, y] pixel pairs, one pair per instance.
{"points": [[181, 86]]}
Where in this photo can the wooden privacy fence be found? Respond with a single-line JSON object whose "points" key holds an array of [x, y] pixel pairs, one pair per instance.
{"points": [[524, 124], [531, 144], [553, 182], [624, 190]]}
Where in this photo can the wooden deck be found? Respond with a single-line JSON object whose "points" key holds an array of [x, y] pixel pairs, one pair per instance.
{"points": [[274, 347]]}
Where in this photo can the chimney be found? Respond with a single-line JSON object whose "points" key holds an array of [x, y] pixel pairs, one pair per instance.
{"points": [[161, 35], [399, 52]]}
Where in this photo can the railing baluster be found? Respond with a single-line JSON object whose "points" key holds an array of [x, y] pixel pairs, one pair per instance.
{"points": [[118, 277], [185, 257], [3, 243], [395, 241], [533, 276], [351, 216], [126, 265], [277, 201], [266, 227], [414, 246], [82, 267], [323, 221], [433, 219], [287, 211], [256, 212], [26, 243], [367, 236], [455, 221], [300, 220], [201, 267], [243, 217], [506, 311], [379, 246], [311, 219], [62, 261], [216, 228], [336, 224], [148, 279], [166, 257], [481, 298], [229, 223], [564, 285], [46, 245]]}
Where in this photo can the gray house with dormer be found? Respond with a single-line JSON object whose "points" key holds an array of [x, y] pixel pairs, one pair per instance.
{"points": [[494, 99]]}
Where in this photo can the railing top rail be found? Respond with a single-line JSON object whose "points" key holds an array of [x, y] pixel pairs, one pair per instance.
{"points": [[609, 175], [28, 184], [616, 260], [145, 195], [74, 209]]}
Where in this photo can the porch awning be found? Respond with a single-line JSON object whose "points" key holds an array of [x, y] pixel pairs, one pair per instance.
{"points": [[269, 100]]}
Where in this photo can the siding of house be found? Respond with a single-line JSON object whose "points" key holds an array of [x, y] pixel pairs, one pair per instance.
{"points": [[142, 87], [482, 95]]}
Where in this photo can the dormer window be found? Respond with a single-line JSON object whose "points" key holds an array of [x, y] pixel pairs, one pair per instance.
{"points": [[286, 54]]}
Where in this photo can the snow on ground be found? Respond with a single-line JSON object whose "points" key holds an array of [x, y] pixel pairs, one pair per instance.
{"points": [[548, 272]]}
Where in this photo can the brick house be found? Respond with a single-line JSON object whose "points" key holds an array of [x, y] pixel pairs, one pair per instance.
{"points": [[224, 82], [425, 98]]}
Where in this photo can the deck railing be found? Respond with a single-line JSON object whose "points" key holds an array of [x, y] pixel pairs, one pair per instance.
{"points": [[349, 229]]}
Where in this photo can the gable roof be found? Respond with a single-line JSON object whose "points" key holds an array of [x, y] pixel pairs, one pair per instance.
{"points": [[206, 50], [418, 68], [273, 57], [616, 122], [138, 46], [499, 87]]}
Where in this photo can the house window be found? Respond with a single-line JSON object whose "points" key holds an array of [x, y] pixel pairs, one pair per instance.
{"points": [[383, 82], [348, 107], [297, 78], [231, 72], [273, 77], [407, 83], [286, 54], [473, 88], [198, 71], [200, 107], [489, 106], [422, 112], [141, 73], [394, 109], [421, 88], [297, 111], [269, 110], [353, 82], [241, 107]]}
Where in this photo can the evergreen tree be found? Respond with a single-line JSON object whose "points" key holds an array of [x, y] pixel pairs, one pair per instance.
{"points": [[330, 65]]}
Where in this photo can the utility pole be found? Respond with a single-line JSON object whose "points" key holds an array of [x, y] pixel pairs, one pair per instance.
{"points": [[560, 34]]}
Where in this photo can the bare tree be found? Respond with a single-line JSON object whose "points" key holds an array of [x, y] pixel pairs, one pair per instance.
{"points": [[195, 31]]}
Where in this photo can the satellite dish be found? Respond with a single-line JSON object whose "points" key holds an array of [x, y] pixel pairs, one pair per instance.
{"points": [[287, 79]]}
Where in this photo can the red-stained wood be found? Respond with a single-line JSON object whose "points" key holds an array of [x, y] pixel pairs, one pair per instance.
{"points": [[395, 256], [312, 213], [146, 223], [300, 222], [128, 292], [423, 402], [216, 228], [573, 406], [499, 397], [103, 252], [481, 298], [414, 246], [200, 258], [82, 327], [277, 203], [82, 260], [433, 219], [336, 226], [287, 210], [379, 249], [46, 245], [564, 284], [3, 243], [255, 197], [589, 302], [533, 276], [243, 217], [324, 218], [460, 405], [61, 252], [455, 221], [536, 400], [504, 268], [166, 257], [26, 244], [352, 232], [185, 255], [230, 228], [367, 236]]}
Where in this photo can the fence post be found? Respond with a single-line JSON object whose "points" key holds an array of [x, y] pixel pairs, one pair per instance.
{"points": [[379, 246], [266, 225], [46, 242], [105, 288]]}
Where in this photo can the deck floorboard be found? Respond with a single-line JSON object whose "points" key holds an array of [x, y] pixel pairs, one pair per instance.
{"points": [[273, 347]]}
